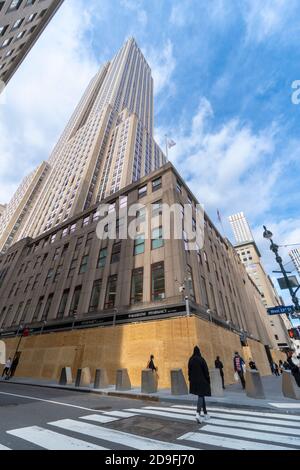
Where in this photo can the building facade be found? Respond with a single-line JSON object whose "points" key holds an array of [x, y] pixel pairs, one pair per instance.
{"points": [[295, 257], [241, 228], [21, 24], [2, 209]]}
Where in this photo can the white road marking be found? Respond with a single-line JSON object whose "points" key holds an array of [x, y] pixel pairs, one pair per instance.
{"points": [[118, 437], [286, 405], [4, 447], [222, 441], [166, 414], [50, 401], [258, 427], [262, 420], [51, 440], [120, 414], [170, 410], [243, 412], [99, 418], [257, 435]]}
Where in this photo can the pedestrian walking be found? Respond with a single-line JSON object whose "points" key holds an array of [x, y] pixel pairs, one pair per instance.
{"points": [[280, 366], [219, 365], [151, 364], [276, 369], [238, 365], [199, 382], [293, 367], [7, 367], [252, 365]]}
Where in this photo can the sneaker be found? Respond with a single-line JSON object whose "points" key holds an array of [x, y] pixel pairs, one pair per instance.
{"points": [[199, 418], [206, 417]]}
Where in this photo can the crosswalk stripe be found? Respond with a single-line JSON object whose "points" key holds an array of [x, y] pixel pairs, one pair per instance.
{"points": [[286, 405], [170, 410], [4, 447], [118, 437], [120, 414], [99, 418], [222, 441], [51, 440], [258, 427], [165, 414], [253, 419], [243, 412], [257, 435]]}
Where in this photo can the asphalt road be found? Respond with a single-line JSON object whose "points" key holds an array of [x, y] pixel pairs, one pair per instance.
{"points": [[44, 418]]}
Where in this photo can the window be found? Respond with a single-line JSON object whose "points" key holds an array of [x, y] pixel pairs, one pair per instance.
{"points": [[65, 249], [63, 304], [116, 251], [89, 239], [213, 304], [52, 238], [123, 202], [47, 307], [137, 286], [95, 296], [158, 281], [157, 240], [25, 311], [49, 275], [84, 264], [15, 320], [86, 221], [204, 296], [73, 228], [75, 300], [157, 208], [38, 309], [14, 5], [156, 184], [111, 292], [139, 245], [190, 283], [58, 273], [56, 253], [72, 267], [17, 24], [65, 232], [79, 243], [96, 216], [31, 17], [142, 191], [102, 258], [178, 186]]}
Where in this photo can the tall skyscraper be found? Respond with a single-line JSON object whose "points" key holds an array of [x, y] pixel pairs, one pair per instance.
{"points": [[241, 228], [295, 256], [107, 144], [21, 24], [2, 209]]}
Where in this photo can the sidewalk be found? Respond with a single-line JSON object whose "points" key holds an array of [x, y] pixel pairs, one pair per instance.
{"points": [[234, 396]]}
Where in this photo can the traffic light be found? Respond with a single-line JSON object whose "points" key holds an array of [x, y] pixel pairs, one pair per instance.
{"points": [[294, 333]]}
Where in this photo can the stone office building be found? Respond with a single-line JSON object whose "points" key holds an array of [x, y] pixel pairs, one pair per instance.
{"points": [[91, 294]]}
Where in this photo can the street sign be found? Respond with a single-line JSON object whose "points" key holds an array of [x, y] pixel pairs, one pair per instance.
{"points": [[280, 310], [293, 282]]}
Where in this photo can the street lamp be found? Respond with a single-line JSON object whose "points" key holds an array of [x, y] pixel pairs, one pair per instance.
{"points": [[273, 247], [74, 319]]}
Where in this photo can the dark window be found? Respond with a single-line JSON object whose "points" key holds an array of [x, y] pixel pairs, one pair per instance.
{"points": [[102, 258], [95, 296], [116, 252], [84, 264], [47, 307], [75, 300], [157, 240], [111, 292], [137, 286], [204, 296], [79, 243], [178, 186], [158, 281], [89, 239], [156, 184], [38, 309], [139, 245], [63, 303], [25, 311], [142, 191], [16, 317], [72, 267]]}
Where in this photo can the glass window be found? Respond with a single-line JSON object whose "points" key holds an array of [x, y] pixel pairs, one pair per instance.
{"points": [[123, 201], [190, 283], [16, 317], [86, 221], [158, 281], [95, 296], [111, 292], [116, 252], [75, 300], [84, 264], [102, 258], [137, 286], [178, 186], [204, 296], [14, 5], [157, 208], [47, 307], [139, 245], [73, 228], [72, 267], [38, 309], [63, 303], [25, 311], [142, 191], [157, 240], [156, 184]]}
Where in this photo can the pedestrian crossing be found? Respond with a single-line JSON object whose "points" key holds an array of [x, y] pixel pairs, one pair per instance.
{"points": [[226, 429]]}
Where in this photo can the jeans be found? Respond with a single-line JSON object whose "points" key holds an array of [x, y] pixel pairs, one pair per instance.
{"points": [[201, 404], [241, 376]]}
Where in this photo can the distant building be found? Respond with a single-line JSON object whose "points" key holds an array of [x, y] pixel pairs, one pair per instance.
{"points": [[241, 228], [2, 209], [21, 24], [295, 256]]}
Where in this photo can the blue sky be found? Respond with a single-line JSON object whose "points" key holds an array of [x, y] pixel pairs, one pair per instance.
{"points": [[223, 71]]}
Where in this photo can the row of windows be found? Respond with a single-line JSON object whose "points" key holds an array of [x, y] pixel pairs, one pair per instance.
{"points": [[136, 296]]}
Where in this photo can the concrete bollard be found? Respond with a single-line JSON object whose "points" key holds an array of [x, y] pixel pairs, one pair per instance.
{"points": [[65, 376], [178, 383], [101, 380], [290, 388], [254, 386], [149, 381], [216, 383], [83, 377], [122, 380]]}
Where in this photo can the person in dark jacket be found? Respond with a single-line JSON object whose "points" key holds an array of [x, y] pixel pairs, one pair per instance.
{"points": [[199, 382], [151, 364], [238, 365], [293, 367], [252, 365], [219, 365]]}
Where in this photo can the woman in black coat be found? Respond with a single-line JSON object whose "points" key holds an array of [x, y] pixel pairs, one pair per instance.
{"points": [[199, 382]]}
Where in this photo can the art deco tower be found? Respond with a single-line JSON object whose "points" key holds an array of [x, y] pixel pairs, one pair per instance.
{"points": [[107, 144]]}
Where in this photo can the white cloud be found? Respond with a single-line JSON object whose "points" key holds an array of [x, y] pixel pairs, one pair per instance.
{"points": [[163, 64], [43, 93], [136, 6]]}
